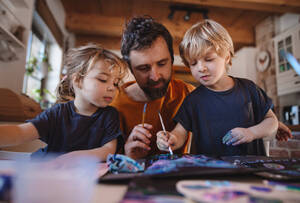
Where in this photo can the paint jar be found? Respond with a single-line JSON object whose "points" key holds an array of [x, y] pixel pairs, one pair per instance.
{"points": [[36, 182]]}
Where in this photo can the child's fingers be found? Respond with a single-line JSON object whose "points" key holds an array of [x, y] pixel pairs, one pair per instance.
{"points": [[171, 141], [162, 145], [240, 141], [227, 137], [232, 137], [163, 136]]}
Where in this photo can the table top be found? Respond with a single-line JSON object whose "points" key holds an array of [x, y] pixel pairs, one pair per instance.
{"points": [[113, 193]]}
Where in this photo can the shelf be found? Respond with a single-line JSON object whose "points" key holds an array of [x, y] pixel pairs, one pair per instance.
{"points": [[19, 3], [10, 38]]}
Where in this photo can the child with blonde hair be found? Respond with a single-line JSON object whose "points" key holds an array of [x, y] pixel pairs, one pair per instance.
{"points": [[85, 126], [227, 116]]}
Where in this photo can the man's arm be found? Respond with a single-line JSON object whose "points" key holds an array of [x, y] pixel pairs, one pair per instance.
{"points": [[283, 133]]}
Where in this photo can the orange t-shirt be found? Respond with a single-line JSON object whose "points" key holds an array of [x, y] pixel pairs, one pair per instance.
{"points": [[131, 111]]}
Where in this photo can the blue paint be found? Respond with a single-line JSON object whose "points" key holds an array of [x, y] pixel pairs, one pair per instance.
{"points": [[261, 189], [196, 187]]}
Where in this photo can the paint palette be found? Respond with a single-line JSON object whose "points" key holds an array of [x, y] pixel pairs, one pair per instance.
{"points": [[272, 167], [229, 191]]}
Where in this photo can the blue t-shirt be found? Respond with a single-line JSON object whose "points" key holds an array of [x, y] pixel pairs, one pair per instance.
{"points": [[64, 130], [209, 115]]}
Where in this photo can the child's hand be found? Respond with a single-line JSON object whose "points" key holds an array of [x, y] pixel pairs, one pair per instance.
{"points": [[238, 136], [163, 141]]}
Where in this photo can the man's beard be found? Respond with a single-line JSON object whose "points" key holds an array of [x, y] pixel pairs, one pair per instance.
{"points": [[155, 93]]}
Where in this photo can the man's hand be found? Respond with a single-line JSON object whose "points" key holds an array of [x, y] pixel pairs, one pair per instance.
{"points": [[238, 136], [283, 132], [138, 143]]}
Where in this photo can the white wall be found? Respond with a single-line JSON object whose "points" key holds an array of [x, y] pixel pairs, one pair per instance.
{"points": [[12, 73], [59, 15], [285, 22], [243, 64]]}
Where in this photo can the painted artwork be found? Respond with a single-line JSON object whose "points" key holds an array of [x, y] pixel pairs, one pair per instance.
{"points": [[228, 191], [166, 163]]}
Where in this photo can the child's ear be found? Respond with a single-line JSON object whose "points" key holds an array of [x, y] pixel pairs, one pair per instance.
{"points": [[227, 58], [76, 81]]}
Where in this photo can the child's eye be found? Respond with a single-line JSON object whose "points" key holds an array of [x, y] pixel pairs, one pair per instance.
{"points": [[101, 80], [209, 59], [193, 63]]}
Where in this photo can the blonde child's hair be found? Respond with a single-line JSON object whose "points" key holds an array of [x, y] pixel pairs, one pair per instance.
{"points": [[203, 36], [79, 61]]}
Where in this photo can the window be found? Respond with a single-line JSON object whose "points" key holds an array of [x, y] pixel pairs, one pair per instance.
{"points": [[43, 64]]}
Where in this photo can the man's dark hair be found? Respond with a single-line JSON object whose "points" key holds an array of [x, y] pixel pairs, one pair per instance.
{"points": [[140, 33]]}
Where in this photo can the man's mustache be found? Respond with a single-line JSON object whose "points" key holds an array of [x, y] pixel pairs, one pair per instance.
{"points": [[153, 83]]}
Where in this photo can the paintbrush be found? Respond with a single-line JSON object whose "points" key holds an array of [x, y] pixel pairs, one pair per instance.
{"points": [[144, 114], [164, 129]]}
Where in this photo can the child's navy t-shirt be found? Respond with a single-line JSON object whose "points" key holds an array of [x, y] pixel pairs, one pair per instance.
{"points": [[209, 115], [64, 130]]}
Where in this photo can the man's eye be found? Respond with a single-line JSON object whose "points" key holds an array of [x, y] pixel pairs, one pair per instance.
{"points": [[143, 68], [162, 63]]}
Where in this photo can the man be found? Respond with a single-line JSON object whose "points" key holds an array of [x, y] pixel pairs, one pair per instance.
{"points": [[147, 47]]}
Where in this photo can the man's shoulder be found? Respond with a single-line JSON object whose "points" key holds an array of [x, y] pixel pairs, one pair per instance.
{"points": [[181, 85], [122, 97]]}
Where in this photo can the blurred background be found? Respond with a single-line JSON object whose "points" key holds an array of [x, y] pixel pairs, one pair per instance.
{"points": [[35, 35]]}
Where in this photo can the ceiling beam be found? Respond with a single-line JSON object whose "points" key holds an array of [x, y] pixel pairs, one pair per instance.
{"points": [[275, 6], [113, 26]]}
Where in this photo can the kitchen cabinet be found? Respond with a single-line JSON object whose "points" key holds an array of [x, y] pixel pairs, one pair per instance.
{"points": [[288, 81], [11, 31]]}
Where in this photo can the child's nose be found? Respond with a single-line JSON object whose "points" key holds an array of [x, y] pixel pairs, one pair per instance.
{"points": [[111, 87], [202, 67]]}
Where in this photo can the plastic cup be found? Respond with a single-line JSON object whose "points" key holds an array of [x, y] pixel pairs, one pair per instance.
{"points": [[36, 183]]}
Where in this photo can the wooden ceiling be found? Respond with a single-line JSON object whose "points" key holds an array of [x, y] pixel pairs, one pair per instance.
{"points": [[102, 21]]}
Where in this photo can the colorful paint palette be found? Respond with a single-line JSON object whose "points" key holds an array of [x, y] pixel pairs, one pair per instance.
{"points": [[227, 191], [272, 167]]}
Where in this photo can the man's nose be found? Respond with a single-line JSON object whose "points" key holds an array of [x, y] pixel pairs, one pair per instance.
{"points": [[154, 74]]}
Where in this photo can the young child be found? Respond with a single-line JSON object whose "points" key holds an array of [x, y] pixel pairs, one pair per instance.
{"points": [[227, 116], [85, 126]]}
